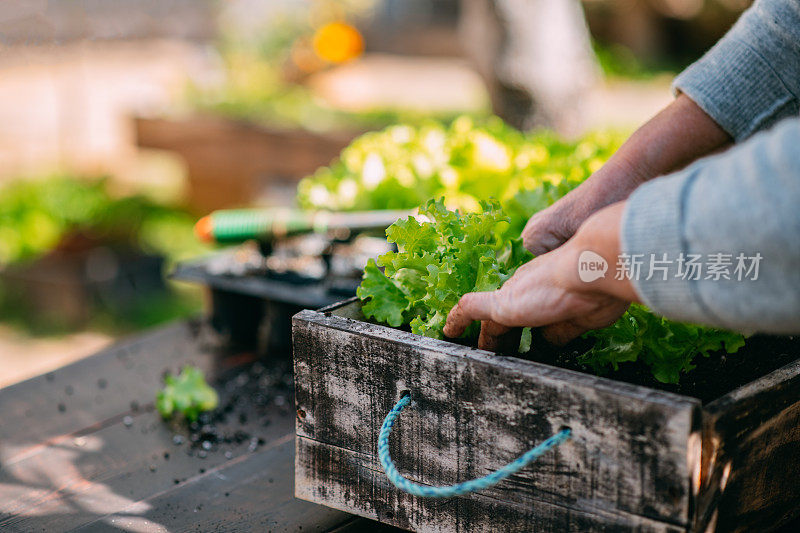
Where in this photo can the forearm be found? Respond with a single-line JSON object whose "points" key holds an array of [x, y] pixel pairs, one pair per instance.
{"points": [[675, 137], [749, 81], [742, 204], [678, 135]]}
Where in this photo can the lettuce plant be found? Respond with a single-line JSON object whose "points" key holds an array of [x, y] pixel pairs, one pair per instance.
{"points": [[441, 256], [464, 162], [187, 393], [444, 254], [666, 346]]}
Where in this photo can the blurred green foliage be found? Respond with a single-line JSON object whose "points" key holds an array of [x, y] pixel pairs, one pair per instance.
{"points": [[154, 308], [465, 162], [38, 217]]}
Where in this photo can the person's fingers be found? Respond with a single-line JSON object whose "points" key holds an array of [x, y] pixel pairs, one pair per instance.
{"points": [[605, 315], [471, 306], [561, 333], [542, 234], [490, 331]]}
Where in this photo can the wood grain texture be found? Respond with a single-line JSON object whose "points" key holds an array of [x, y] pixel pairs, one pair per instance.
{"points": [[70, 481], [628, 464], [108, 462], [99, 389], [337, 476], [751, 456], [250, 493]]}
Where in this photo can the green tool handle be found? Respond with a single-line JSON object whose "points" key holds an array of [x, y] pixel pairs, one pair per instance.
{"points": [[236, 225]]}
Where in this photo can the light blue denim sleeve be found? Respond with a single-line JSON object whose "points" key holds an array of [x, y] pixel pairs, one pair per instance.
{"points": [[750, 79], [743, 201]]}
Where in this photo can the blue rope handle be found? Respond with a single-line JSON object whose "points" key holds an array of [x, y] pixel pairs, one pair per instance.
{"points": [[465, 487]]}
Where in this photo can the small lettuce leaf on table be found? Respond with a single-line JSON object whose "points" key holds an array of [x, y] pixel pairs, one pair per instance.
{"points": [[441, 256], [667, 347], [187, 393]]}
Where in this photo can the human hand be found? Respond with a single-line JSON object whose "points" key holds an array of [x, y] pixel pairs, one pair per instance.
{"points": [[547, 292], [550, 228]]}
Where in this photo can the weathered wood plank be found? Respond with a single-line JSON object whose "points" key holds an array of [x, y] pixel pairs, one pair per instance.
{"points": [[251, 493], [477, 411], [357, 524], [335, 469], [99, 389], [751, 455], [70, 480], [91, 465]]}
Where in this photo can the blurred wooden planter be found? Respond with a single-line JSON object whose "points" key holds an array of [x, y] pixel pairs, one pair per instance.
{"points": [[65, 287], [230, 161], [640, 460]]}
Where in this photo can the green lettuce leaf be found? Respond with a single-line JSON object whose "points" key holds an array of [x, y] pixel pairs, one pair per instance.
{"points": [[187, 393], [445, 254], [666, 346], [386, 301], [442, 255]]}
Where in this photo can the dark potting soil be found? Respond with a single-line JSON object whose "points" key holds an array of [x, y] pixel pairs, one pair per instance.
{"points": [[713, 377], [251, 397]]}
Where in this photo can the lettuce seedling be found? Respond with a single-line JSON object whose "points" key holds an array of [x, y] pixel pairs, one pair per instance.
{"points": [[187, 393], [441, 256]]}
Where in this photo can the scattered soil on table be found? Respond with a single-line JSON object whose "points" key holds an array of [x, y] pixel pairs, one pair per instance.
{"points": [[250, 397], [715, 376]]}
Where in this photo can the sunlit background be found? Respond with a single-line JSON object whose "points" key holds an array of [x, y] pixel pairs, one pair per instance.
{"points": [[122, 122]]}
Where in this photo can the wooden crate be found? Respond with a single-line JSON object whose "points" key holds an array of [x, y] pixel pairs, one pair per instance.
{"points": [[66, 287], [229, 162], [640, 459]]}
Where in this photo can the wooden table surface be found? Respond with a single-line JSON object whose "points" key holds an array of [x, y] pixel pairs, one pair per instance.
{"points": [[81, 449]]}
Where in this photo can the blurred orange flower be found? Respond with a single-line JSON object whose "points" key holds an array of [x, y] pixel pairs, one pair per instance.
{"points": [[338, 42]]}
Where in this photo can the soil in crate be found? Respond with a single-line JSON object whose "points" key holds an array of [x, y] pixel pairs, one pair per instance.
{"points": [[713, 377]]}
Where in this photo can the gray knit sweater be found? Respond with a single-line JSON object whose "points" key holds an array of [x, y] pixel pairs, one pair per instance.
{"points": [[719, 242]]}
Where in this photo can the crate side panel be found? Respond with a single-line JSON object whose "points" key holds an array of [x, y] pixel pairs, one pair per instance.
{"points": [[751, 449], [471, 417], [355, 483]]}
